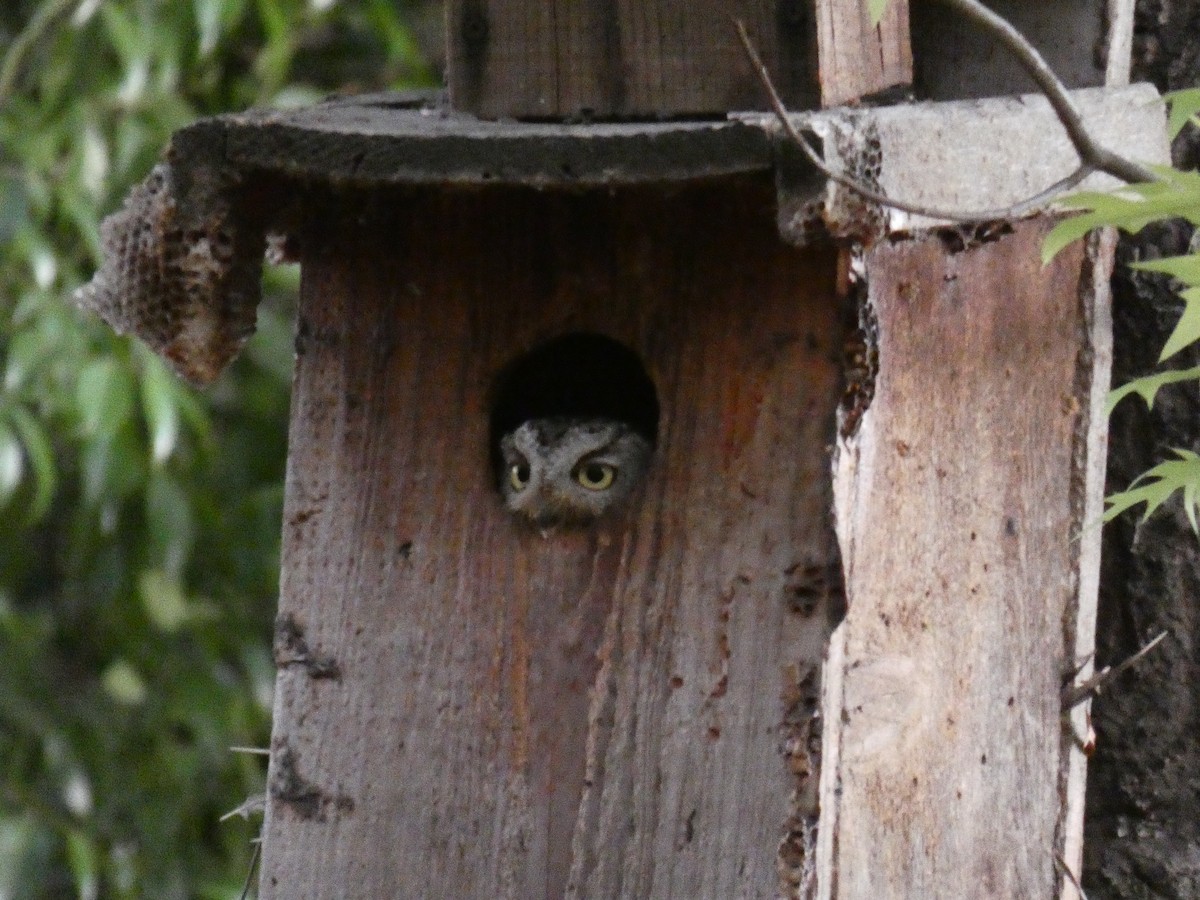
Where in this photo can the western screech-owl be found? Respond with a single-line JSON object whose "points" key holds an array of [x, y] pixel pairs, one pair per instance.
{"points": [[569, 471]]}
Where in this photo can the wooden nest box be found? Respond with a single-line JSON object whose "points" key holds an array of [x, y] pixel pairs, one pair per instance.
{"points": [[470, 705]]}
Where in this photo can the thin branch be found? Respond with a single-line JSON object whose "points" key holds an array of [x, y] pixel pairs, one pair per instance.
{"points": [[251, 806], [983, 215], [1093, 157], [1090, 152], [1066, 872], [1075, 673], [253, 866], [1076, 694]]}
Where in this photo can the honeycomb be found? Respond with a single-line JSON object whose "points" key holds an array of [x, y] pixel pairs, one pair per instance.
{"points": [[183, 275], [812, 207]]}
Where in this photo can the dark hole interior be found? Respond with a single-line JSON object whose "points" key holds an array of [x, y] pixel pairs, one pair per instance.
{"points": [[579, 375]]}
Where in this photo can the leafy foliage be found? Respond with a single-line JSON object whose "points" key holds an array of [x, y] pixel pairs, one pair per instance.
{"points": [[1156, 486], [1147, 386], [876, 9], [1132, 208], [1184, 106], [139, 520]]}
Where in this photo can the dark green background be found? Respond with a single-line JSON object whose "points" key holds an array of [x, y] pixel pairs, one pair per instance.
{"points": [[140, 519]]}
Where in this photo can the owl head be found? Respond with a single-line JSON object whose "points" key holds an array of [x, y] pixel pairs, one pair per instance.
{"points": [[566, 471]]}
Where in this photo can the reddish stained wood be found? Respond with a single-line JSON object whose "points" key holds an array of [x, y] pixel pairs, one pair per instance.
{"points": [[528, 58], [598, 713], [960, 506], [856, 58]]}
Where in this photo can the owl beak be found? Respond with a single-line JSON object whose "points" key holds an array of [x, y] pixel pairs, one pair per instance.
{"points": [[544, 521], [545, 517]]}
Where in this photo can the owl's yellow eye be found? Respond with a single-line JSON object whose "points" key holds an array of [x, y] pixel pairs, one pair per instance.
{"points": [[518, 475], [596, 476]]}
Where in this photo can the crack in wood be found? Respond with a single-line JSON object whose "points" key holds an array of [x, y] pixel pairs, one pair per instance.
{"points": [[291, 649], [305, 797]]}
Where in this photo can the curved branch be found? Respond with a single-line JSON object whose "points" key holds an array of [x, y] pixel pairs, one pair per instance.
{"points": [[983, 215], [1090, 152], [1076, 694], [1093, 157]]}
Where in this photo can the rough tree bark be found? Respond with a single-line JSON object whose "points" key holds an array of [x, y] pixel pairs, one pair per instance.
{"points": [[1143, 831]]}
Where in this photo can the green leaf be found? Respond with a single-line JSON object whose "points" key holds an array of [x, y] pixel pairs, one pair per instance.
{"points": [[272, 347], [876, 9], [14, 207], [1147, 386], [112, 466], [1187, 329], [159, 407], [208, 23], [1066, 232], [122, 682], [1131, 207], [104, 394], [41, 457], [1185, 268], [169, 519], [12, 463], [1158, 485], [83, 858], [124, 35], [27, 354], [1184, 106], [164, 601], [22, 857]]}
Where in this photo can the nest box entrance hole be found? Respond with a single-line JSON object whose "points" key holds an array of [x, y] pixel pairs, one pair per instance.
{"points": [[595, 704], [577, 375], [573, 427]]}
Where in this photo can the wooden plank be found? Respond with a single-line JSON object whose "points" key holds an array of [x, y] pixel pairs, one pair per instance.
{"points": [[957, 59], [857, 59], [960, 502], [1119, 50], [466, 708], [624, 58]]}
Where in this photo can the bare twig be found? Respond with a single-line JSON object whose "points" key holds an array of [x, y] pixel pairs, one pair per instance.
{"points": [[253, 866], [255, 751], [1076, 694], [874, 196], [1090, 152], [1082, 665], [1092, 156], [251, 806], [1065, 871]]}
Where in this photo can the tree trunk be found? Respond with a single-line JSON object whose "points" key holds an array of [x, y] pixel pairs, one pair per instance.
{"points": [[1143, 830]]}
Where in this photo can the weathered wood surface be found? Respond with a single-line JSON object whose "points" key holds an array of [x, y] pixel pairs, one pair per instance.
{"points": [[466, 708], [856, 58], [631, 58], [956, 59], [393, 139], [960, 506]]}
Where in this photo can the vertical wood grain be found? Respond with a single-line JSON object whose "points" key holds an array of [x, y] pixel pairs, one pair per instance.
{"points": [[467, 708], [960, 505], [856, 58], [624, 58]]}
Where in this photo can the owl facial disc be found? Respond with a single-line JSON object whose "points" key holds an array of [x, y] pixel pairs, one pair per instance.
{"points": [[570, 471]]}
